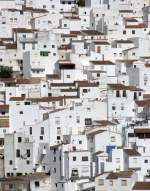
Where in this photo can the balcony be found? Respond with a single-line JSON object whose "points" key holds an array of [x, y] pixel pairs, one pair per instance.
{"points": [[28, 40], [37, 66]]}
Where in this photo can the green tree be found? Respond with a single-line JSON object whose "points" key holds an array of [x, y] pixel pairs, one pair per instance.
{"points": [[81, 3], [5, 72]]}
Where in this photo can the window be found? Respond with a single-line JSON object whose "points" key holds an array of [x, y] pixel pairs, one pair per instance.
{"points": [[41, 137], [21, 112], [54, 151], [42, 53], [100, 182], [98, 49], [19, 139], [74, 148], [17, 153], [23, 46], [10, 162], [28, 152], [74, 172], [124, 32], [57, 120], [37, 184], [54, 170], [124, 93], [135, 95], [58, 137], [27, 103], [74, 158], [88, 121], [8, 174], [53, 46], [54, 159], [117, 160], [28, 162], [117, 93], [78, 119], [33, 46], [146, 161], [111, 182], [133, 31], [123, 182], [113, 107], [68, 76], [42, 130], [10, 186], [85, 91], [3, 113], [134, 160], [113, 139], [85, 158], [61, 103], [58, 131], [30, 130], [80, 142]]}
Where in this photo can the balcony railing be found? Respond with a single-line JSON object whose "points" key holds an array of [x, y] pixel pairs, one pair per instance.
{"points": [[28, 40]]}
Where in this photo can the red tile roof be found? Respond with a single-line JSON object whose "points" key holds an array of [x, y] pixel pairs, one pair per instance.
{"points": [[141, 186], [4, 123], [102, 62]]}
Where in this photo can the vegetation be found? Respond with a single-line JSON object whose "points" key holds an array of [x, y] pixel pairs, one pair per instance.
{"points": [[81, 3], [5, 72]]}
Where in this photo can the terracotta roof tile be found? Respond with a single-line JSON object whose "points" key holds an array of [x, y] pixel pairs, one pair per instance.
{"points": [[121, 174], [93, 133], [143, 103], [132, 152], [142, 130], [140, 25], [141, 186], [101, 43], [4, 107], [123, 41], [17, 98], [91, 32], [123, 87], [104, 122], [24, 30], [46, 99], [102, 62], [4, 123]]}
